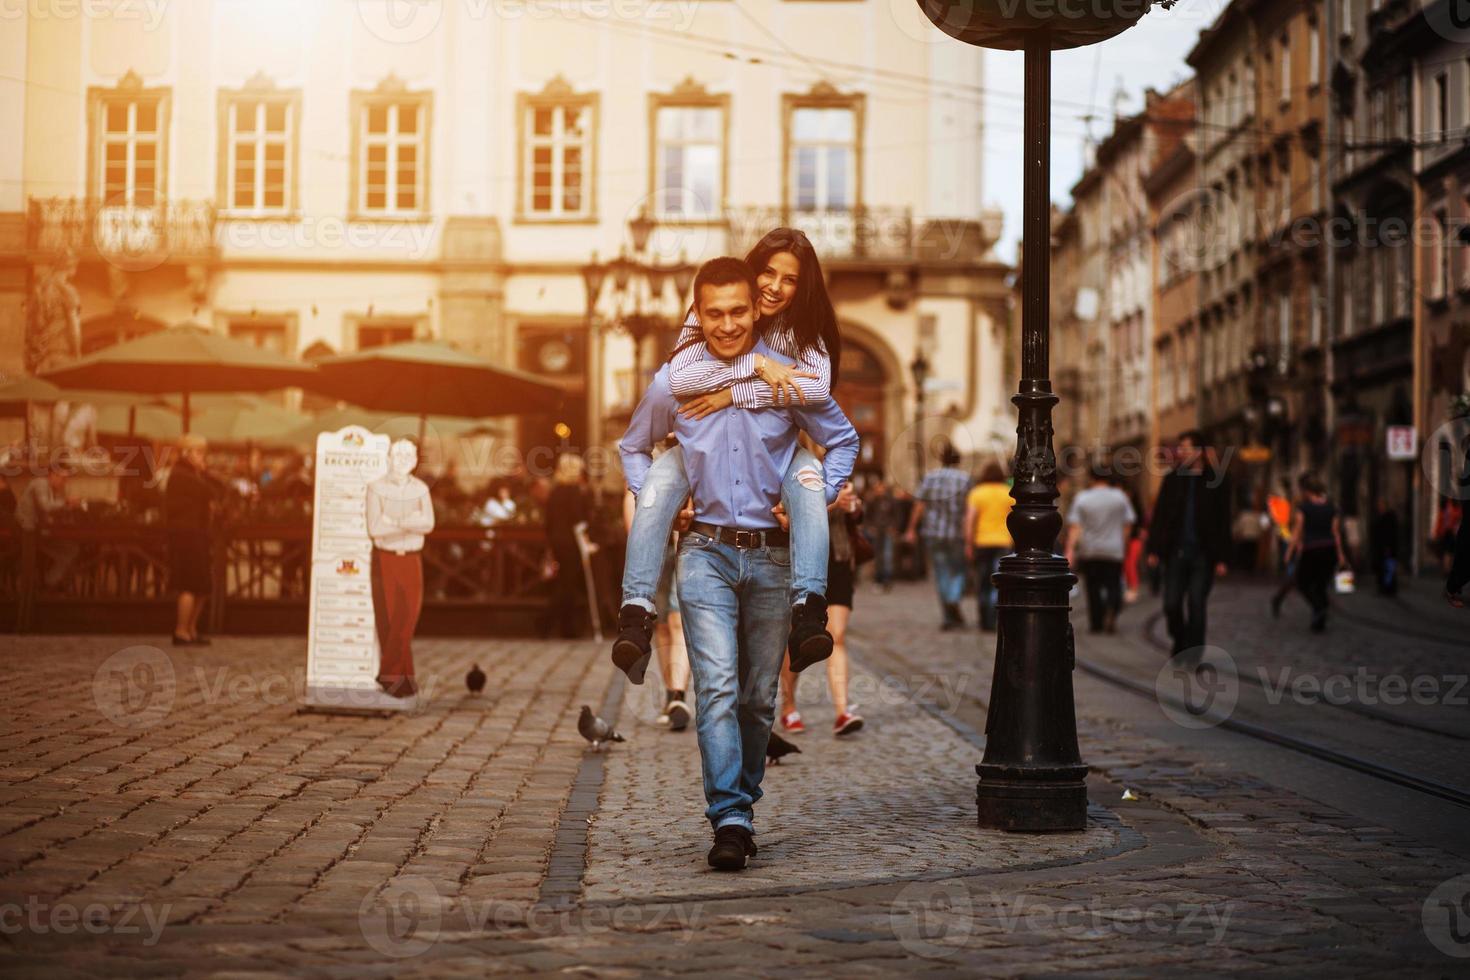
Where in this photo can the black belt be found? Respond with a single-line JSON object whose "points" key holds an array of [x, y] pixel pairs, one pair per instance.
{"points": [[771, 538]]}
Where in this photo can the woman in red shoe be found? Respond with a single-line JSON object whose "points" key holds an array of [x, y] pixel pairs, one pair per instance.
{"points": [[844, 515]]}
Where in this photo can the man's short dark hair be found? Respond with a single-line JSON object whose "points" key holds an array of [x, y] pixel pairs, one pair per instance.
{"points": [[1196, 437], [724, 271], [948, 454], [1101, 470]]}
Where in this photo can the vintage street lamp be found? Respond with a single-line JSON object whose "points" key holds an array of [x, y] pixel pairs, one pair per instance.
{"points": [[920, 370], [1032, 776], [632, 280]]}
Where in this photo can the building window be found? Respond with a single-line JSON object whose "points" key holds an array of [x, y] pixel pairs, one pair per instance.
{"points": [[259, 133], [268, 333], [1402, 122], [1377, 115], [558, 136], [689, 156], [391, 135], [1316, 314], [824, 153], [1439, 255], [1442, 103], [1465, 97], [131, 125], [1284, 327], [1457, 243], [1314, 54], [1285, 69], [382, 332]]}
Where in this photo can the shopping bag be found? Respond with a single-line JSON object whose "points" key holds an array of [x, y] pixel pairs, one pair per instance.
{"points": [[1345, 582]]}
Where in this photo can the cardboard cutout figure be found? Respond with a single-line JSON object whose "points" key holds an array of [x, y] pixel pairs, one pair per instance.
{"points": [[399, 514]]}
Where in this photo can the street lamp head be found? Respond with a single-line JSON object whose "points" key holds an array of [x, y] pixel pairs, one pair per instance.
{"points": [[622, 271], [920, 369], [593, 276], [684, 277], [640, 227], [1007, 24]]}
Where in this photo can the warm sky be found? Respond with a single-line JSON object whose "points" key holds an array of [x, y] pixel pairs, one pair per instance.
{"points": [[1150, 55]]}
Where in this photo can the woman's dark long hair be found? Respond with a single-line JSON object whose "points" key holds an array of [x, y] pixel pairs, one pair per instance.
{"points": [[810, 317]]}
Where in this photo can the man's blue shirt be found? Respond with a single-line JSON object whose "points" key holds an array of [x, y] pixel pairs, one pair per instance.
{"points": [[736, 458]]}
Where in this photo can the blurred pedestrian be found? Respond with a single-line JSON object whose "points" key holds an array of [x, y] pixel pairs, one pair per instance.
{"points": [[499, 506], [1190, 535], [1459, 567], [908, 564], [1447, 521], [1099, 523], [37, 508], [987, 537], [567, 505], [1384, 548], [883, 523], [188, 500], [1137, 542], [1284, 510], [1316, 546], [844, 516], [939, 510]]}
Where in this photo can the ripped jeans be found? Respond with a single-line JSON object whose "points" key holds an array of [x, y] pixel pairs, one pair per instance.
{"points": [[665, 489]]}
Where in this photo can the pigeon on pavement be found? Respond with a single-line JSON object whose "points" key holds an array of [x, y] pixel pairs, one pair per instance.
{"points": [[595, 730], [475, 679], [778, 746]]}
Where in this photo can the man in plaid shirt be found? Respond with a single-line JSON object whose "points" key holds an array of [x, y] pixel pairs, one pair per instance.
{"points": [[939, 512]]}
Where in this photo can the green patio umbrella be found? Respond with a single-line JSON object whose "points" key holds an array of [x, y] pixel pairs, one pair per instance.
{"points": [[17, 398], [183, 360], [427, 378]]}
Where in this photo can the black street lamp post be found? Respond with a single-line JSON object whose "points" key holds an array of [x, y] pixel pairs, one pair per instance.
{"points": [[1032, 775], [920, 370]]}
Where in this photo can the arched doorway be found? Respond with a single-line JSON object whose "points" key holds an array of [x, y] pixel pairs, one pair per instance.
{"points": [[862, 392]]}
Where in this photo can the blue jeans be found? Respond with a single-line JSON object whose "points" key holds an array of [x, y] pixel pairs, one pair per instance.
{"points": [[947, 555], [664, 491], [736, 616], [883, 552]]}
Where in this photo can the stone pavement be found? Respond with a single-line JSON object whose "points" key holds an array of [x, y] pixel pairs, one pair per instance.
{"points": [[171, 813], [883, 803]]}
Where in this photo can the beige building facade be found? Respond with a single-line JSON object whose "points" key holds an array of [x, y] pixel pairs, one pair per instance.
{"points": [[321, 178]]}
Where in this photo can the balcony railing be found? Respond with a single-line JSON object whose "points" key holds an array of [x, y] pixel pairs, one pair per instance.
{"points": [[868, 234], [127, 235]]}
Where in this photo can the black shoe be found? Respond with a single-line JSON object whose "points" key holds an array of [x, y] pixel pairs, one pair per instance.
{"points": [[634, 646], [181, 641], [1276, 601], [734, 847], [810, 643], [953, 618], [678, 713]]}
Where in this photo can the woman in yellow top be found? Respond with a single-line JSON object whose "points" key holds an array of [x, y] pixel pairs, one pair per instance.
{"points": [[986, 534]]}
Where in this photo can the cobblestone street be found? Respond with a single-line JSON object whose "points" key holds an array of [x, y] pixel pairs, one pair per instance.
{"points": [[174, 813]]}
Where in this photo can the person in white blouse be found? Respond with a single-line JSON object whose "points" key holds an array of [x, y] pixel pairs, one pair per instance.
{"points": [[399, 514]]}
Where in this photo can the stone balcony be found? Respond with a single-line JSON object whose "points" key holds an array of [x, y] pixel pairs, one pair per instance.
{"points": [[874, 236], [131, 237]]}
